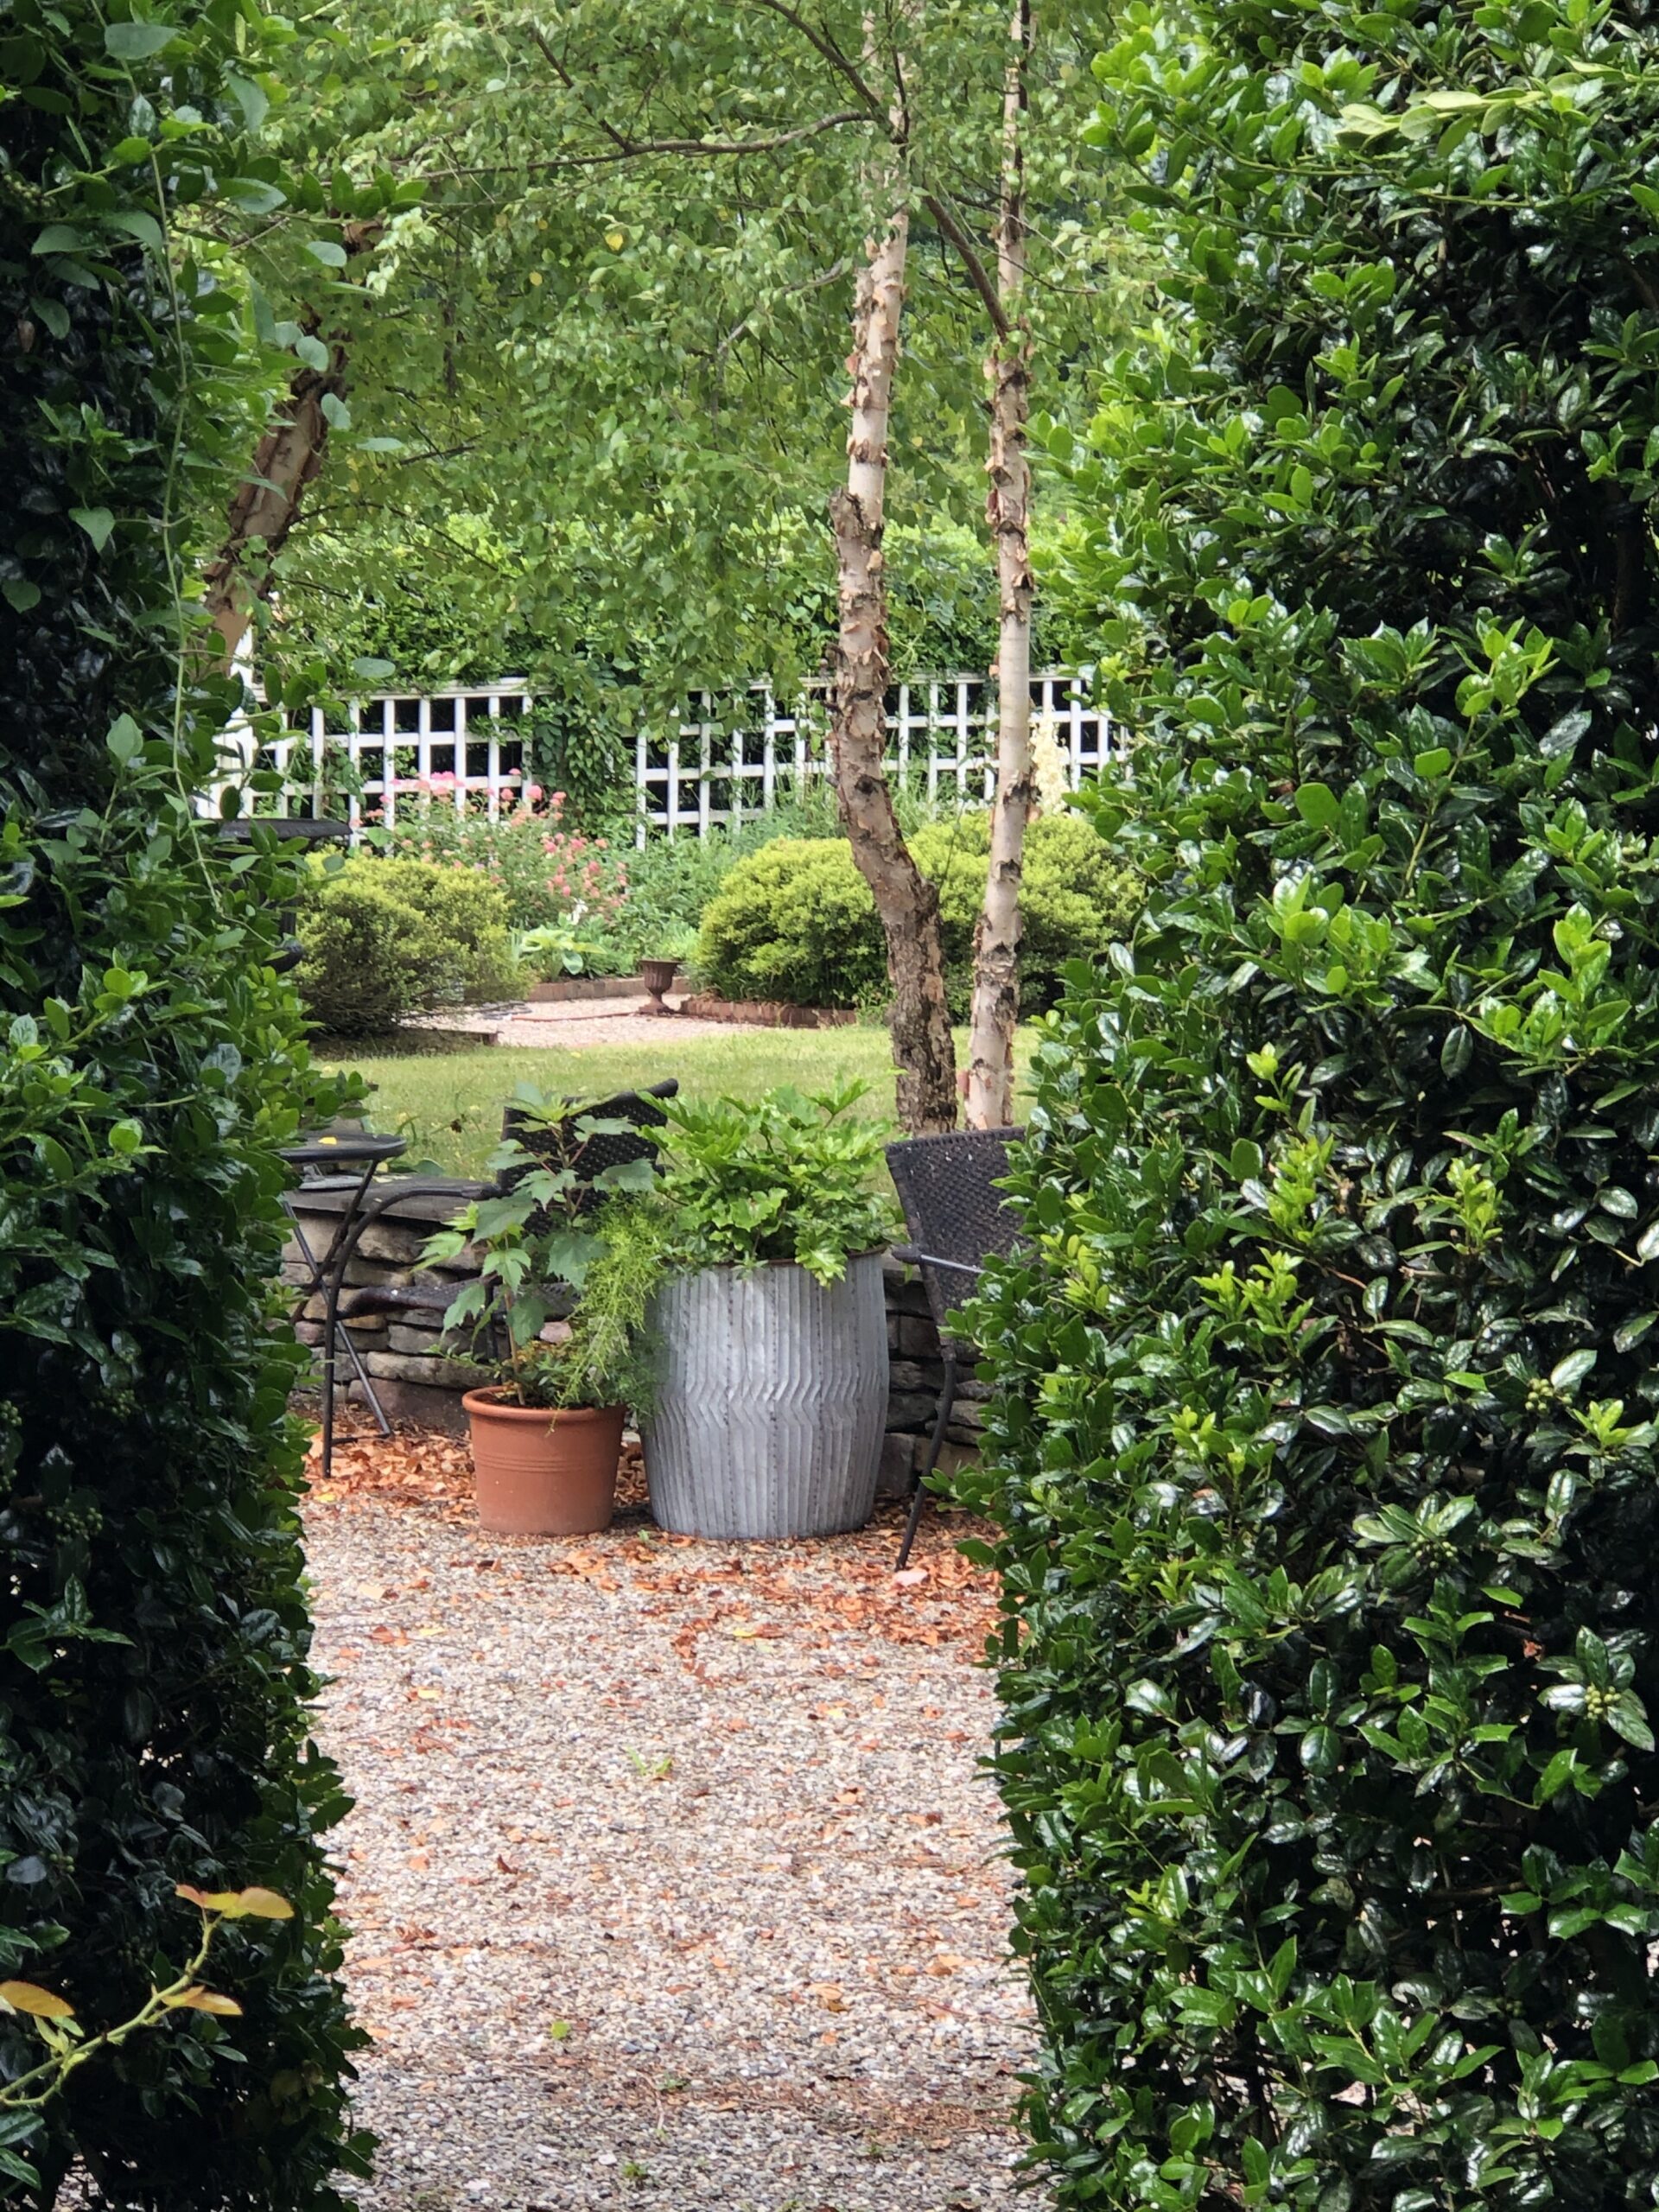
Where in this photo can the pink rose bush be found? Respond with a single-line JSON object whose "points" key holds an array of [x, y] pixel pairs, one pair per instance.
{"points": [[552, 877]]}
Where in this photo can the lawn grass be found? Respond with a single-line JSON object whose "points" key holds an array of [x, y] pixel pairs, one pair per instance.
{"points": [[447, 1102]]}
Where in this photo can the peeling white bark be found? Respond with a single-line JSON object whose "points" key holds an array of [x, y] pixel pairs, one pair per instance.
{"points": [[1007, 511]]}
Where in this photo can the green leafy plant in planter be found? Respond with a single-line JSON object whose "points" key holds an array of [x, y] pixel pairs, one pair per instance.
{"points": [[772, 1324], [785, 1176], [567, 1262]]}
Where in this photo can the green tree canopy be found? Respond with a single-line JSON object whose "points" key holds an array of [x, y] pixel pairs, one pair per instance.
{"points": [[595, 301]]}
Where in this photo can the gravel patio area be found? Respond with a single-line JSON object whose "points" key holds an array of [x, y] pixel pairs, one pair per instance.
{"points": [[673, 1879], [624, 1020]]}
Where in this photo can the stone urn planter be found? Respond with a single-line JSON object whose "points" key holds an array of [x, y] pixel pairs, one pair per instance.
{"points": [[540, 1473], [657, 976], [771, 1401]]}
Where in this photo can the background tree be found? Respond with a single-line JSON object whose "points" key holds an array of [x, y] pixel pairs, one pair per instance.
{"points": [[1008, 513], [607, 338], [154, 1676], [1326, 1438]]}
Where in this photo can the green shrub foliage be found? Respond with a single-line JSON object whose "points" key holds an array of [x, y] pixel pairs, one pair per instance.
{"points": [[1075, 896], [153, 1644], [385, 939], [796, 920], [1324, 1446]]}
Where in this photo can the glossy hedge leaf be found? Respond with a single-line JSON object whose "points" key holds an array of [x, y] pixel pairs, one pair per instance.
{"points": [[153, 1668], [139, 41], [96, 521], [1323, 1443]]}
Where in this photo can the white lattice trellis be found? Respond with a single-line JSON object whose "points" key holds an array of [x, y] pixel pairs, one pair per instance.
{"points": [[461, 744]]}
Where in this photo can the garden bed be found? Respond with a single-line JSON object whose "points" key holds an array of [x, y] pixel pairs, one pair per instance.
{"points": [[560, 990]]}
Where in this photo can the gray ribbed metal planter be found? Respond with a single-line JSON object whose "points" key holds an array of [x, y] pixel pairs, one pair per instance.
{"points": [[771, 1397]]}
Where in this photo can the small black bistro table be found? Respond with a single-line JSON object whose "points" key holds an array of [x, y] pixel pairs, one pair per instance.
{"points": [[348, 1160]]}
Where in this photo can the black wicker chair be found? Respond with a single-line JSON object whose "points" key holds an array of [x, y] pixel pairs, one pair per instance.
{"points": [[642, 1109], [959, 1219]]}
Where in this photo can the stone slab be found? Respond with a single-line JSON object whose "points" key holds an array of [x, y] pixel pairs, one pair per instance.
{"points": [[432, 1373], [898, 1459], [911, 1408], [918, 1338], [912, 1375]]}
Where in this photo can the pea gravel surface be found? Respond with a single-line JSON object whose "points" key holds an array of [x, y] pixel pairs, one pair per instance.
{"points": [[672, 1876]]}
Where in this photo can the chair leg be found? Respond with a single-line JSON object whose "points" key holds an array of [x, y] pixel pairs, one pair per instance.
{"points": [[918, 1480]]}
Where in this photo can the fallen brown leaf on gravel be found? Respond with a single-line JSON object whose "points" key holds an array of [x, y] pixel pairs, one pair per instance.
{"points": [[823, 1590]]}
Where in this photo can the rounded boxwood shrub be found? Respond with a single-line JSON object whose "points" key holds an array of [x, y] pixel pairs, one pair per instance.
{"points": [[1324, 1446], [796, 921], [1076, 895], [386, 938]]}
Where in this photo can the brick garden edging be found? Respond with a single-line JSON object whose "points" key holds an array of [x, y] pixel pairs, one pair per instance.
{"points": [[418, 1378], [764, 1014]]}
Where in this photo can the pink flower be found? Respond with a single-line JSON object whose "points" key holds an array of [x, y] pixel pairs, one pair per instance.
{"points": [[532, 793]]}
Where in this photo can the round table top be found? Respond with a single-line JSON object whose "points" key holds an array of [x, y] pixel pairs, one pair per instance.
{"points": [[342, 1148]]}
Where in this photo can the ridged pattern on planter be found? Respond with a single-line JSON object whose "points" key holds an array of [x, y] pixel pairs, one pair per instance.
{"points": [[771, 1401]]}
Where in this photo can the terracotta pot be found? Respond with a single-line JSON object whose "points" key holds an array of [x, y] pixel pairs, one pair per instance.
{"points": [[541, 1473]]}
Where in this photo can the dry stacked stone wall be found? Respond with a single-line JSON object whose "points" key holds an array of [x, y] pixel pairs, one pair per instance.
{"points": [[419, 1375]]}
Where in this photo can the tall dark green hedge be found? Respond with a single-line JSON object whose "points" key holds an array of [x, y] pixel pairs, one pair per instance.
{"points": [[153, 1640], [1325, 1448]]}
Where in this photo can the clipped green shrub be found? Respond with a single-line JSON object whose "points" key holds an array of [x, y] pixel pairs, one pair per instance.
{"points": [[155, 1677], [1325, 1441], [796, 920], [387, 938], [1076, 895]]}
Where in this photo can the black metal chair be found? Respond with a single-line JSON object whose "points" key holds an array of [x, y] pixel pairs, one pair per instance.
{"points": [[610, 1149], [959, 1220], [607, 1148]]}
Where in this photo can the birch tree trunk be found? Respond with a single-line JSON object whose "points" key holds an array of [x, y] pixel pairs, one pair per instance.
{"points": [[266, 505], [1007, 510], [922, 1050]]}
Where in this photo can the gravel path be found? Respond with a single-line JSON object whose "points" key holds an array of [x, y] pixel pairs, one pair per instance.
{"points": [[578, 1021], [673, 1879]]}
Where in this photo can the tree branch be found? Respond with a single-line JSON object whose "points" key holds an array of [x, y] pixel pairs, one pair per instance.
{"points": [[977, 274], [832, 54], [628, 149]]}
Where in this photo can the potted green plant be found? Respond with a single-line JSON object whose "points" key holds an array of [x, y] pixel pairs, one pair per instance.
{"points": [[769, 1324], [567, 1262]]}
